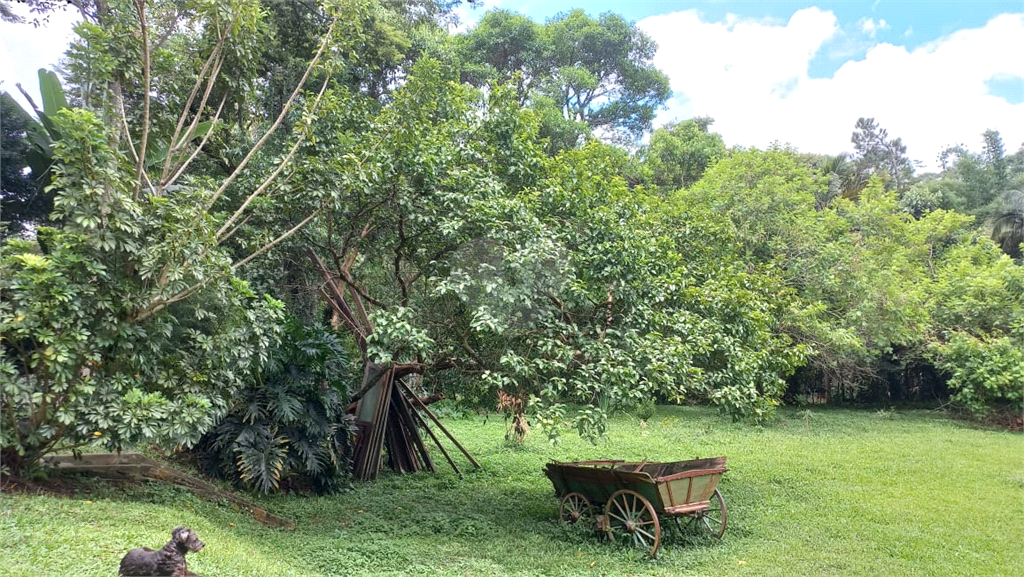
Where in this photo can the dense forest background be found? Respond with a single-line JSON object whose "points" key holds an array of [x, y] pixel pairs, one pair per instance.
{"points": [[229, 210]]}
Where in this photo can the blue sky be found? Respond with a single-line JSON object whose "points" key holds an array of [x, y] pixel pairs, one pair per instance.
{"points": [[910, 23], [933, 73]]}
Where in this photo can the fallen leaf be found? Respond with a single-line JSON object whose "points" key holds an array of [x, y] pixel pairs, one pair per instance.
{"points": [[592, 563], [741, 562]]}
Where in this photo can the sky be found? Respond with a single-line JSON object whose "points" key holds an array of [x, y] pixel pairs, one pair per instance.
{"points": [[934, 73]]}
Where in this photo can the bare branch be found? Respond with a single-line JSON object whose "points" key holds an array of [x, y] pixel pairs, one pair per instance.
{"points": [[131, 145], [140, 6], [277, 240], [160, 305], [237, 228], [181, 169], [280, 117], [280, 167], [216, 60]]}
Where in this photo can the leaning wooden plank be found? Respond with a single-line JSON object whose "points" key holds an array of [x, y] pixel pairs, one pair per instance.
{"points": [[403, 442], [372, 462], [375, 406], [406, 411]]}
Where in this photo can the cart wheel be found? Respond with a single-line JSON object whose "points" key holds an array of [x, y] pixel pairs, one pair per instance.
{"points": [[574, 508], [713, 518], [632, 519]]}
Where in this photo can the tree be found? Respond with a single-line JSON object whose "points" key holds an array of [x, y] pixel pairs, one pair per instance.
{"points": [[602, 73], [845, 178], [680, 153], [130, 309], [860, 267], [580, 74], [506, 47], [875, 154], [978, 323]]}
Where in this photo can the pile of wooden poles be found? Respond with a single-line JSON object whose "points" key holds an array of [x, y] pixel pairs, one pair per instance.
{"points": [[388, 419]]}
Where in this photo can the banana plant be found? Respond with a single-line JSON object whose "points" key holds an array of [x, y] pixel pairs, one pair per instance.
{"points": [[41, 130]]}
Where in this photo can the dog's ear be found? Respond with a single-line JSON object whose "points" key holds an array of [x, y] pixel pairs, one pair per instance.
{"points": [[175, 531]]}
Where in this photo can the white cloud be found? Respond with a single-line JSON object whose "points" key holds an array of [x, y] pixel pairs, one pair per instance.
{"points": [[25, 49], [470, 15], [870, 27], [752, 78]]}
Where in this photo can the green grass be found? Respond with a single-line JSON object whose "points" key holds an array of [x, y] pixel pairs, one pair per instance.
{"points": [[836, 492]]}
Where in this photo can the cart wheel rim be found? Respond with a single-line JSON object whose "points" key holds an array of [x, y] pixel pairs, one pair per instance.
{"points": [[573, 508], [632, 519], [712, 520]]}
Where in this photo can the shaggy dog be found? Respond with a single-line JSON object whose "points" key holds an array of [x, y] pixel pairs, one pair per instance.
{"points": [[167, 562]]}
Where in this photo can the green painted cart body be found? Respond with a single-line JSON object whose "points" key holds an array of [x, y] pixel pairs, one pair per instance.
{"points": [[633, 495]]}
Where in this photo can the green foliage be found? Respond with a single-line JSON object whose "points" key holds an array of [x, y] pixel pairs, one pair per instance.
{"points": [[679, 153], [979, 315], [875, 155], [646, 409], [987, 185], [629, 317], [977, 290], [395, 337], [94, 341], [28, 143], [921, 198], [289, 426], [578, 72], [985, 373]]}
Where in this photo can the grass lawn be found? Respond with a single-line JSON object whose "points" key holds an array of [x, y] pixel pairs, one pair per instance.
{"points": [[840, 492]]}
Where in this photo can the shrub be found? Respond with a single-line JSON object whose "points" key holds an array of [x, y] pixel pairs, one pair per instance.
{"points": [[100, 335], [985, 373], [289, 427]]}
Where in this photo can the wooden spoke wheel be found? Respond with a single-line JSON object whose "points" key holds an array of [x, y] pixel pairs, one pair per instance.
{"points": [[712, 519], [574, 508], [632, 519]]}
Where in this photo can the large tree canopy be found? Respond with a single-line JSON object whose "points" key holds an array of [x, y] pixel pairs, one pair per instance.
{"points": [[581, 73]]}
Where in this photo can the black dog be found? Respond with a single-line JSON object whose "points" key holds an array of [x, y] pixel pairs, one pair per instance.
{"points": [[167, 562]]}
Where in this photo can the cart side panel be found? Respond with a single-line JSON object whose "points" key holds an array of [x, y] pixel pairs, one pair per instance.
{"points": [[703, 487], [689, 489], [597, 484]]}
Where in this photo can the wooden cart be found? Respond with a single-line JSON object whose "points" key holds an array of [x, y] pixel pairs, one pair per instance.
{"points": [[625, 499]]}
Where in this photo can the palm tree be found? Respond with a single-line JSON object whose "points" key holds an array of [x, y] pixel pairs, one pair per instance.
{"points": [[846, 179], [1008, 223]]}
